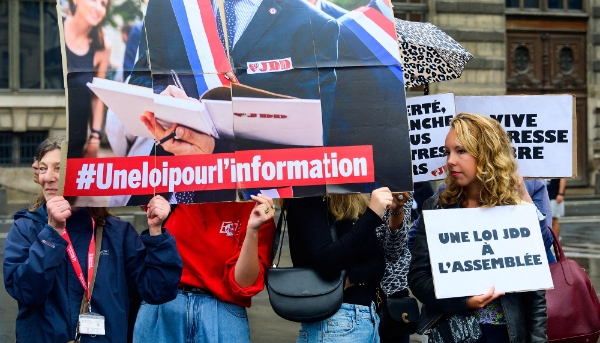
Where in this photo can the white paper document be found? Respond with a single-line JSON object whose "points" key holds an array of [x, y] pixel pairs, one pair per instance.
{"points": [[280, 121], [283, 120], [128, 102]]}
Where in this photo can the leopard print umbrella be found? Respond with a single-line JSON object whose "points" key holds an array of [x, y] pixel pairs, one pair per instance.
{"points": [[428, 54]]}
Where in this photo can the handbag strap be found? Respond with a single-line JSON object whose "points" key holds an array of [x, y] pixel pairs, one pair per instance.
{"points": [[278, 239], [560, 258], [280, 234], [558, 250]]}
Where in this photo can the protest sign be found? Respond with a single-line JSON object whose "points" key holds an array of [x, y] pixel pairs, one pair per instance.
{"points": [[473, 249], [429, 120], [541, 129], [202, 104]]}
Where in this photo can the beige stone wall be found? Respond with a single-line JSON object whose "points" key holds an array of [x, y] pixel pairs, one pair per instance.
{"points": [[29, 112], [39, 112], [479, 26], [20, 186]]}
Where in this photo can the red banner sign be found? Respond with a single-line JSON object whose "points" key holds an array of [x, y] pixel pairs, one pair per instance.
{"points": [[242, 169]]}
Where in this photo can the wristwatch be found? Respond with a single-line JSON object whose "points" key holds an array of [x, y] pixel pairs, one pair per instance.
{"points": [[94, 133]]}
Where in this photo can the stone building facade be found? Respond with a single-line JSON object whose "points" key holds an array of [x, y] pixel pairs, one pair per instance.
{"points": [[527, 47], [519, 47]]}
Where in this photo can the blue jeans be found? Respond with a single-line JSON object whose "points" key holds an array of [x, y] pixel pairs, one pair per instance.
{"points": [[192, 318], [351, 324]]}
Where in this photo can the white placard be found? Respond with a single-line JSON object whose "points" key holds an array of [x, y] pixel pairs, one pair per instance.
{"points": [[540, 127], [473, 249], [428, 120]]}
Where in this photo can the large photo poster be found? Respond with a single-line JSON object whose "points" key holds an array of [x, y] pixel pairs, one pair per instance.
{"points": [[225, 99]]}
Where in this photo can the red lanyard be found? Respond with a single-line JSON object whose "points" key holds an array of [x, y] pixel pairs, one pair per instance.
{"points": [[75, 261]]}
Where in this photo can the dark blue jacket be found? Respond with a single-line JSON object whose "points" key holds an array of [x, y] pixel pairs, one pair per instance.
{"points": [[39, 275]]}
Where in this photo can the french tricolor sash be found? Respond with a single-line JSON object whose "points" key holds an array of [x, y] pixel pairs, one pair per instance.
{"points": [[378, 33], [198, 27]]}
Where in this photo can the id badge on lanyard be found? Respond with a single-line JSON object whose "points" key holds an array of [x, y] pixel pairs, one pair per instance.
{"points": [[89, 323]]}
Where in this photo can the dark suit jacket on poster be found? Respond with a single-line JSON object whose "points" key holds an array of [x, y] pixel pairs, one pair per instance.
{"points": [[332, 9], [280, 29], [370, 109]]}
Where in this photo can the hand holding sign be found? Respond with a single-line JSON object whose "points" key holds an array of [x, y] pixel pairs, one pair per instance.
{"points": [[381, 199], [263, 211], [158, 210], [396, 218], [59, 210], [481, 301], [399, 199]]}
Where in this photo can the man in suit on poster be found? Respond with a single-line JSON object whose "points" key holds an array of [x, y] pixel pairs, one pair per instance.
{"points": [[265, 30], [328, 8]]}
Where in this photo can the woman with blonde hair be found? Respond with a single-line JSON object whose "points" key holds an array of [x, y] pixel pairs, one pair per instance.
{"points": [[354, 219], [482, 172]]}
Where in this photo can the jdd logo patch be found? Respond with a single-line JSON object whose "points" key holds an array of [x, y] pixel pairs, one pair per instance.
{"points": [[270, 66]]}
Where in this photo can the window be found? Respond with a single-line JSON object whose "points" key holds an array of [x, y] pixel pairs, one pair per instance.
{"points": [[30, 57], [546, 5], [412, 10], [6, 148], [4, 67], [18, 148]]}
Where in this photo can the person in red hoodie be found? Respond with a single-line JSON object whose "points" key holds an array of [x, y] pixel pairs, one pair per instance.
{"points": [[226, 251]]}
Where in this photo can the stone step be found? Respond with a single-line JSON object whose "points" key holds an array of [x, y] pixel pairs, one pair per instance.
{"points": [[582, 207], [580, 229]]}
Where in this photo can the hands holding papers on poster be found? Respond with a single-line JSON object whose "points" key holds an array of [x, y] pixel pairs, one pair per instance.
{"points": [[185, 140]]}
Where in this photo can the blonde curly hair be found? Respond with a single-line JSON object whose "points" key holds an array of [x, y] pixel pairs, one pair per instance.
{"points": [[485, 140], [347, 206]]}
